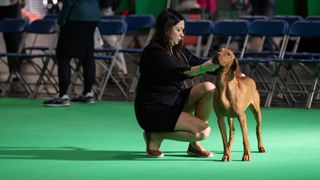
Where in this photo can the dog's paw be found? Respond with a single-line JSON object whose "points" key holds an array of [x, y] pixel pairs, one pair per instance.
{"points": [[246, 157], [262, 149], [226, 158]]}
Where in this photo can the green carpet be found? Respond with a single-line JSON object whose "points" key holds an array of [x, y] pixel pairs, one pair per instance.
{"points": [[104, 141]]}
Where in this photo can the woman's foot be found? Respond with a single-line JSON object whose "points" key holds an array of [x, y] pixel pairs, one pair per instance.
{"points": [[153, 146], [195, 149]]}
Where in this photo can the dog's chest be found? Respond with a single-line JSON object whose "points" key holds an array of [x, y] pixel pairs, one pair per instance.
{"points": [[226, 100]]}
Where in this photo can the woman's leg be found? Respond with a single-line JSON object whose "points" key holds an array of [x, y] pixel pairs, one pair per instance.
{"points": [[88, 63], [200, 102], [190, 128], [63, 74], [89, 72]]}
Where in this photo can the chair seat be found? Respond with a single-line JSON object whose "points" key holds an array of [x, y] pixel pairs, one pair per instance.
{"points": [[103, 57], [21, 55]]}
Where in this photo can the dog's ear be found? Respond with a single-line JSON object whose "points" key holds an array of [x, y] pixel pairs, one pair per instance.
{"points": [[236, 68]]}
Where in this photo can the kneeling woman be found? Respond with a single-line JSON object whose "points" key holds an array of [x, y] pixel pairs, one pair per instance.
{"points": [[163, 107]]}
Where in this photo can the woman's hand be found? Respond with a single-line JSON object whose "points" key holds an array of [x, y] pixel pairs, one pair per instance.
{"points": [[209, 66]]}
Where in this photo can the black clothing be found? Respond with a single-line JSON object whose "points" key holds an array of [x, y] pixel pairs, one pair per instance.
{"points": [[12, 40], [76, 41], [160, 93]]}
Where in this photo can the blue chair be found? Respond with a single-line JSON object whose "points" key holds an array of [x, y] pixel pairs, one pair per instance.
{"points": [[43, 54], [253, 18], [138, 24], [306, 62], [200, 29], [113, 17], [313, 18], [289, 18], [107, 59], [38, 27], [260, 61], [13, 26], [235, 31], [51, 16]]}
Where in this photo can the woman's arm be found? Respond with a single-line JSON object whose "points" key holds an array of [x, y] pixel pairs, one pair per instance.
{"points": [[203, 68], [66, 8], [198, 65]]}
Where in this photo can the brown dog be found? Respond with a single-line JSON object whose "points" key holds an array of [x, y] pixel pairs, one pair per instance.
{"points": [[232, 96]]}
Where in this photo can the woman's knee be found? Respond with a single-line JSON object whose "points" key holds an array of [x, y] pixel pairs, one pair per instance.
{"points": [[204, 134], [208, 90], [208, 86]]}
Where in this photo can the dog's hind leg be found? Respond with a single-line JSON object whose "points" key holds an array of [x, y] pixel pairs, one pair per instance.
{"points": [[231, 132], [255, 108], [243, 124]]}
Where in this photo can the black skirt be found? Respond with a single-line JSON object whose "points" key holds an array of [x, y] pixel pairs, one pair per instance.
{"points": [[76, 39], [155, 117]]}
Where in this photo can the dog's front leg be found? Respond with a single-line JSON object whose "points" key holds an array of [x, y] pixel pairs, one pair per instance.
{"points": [[243, 123], [223, 131], [231, 132]]}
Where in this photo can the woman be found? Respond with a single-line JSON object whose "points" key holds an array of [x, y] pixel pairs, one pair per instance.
{"points": [[164, 109]]}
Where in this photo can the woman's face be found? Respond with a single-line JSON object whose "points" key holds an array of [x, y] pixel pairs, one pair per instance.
{"points": [[176, 33]]}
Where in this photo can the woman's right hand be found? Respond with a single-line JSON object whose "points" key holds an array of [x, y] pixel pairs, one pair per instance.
{"points": [[209, 66]]}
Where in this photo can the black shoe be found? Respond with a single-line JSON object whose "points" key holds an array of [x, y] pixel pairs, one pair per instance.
{"points": [[87, 98], [58, 101]]}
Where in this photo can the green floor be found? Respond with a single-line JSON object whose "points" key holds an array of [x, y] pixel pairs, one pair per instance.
{"points": [[103, 141]]}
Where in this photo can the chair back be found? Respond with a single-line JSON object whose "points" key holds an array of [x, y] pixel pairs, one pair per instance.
{"points": [[198, 27], [233, 30], [268, 28], [114, 17], [112, 27], [238, 27], [253, 18], [51, 16], [313, 18], [42, 26], [307, 29], [13, 25], [139, 22], [290, 19]]}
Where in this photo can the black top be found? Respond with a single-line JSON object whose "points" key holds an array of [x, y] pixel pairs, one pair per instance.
{"points": [[161, 94], [161, 75]]}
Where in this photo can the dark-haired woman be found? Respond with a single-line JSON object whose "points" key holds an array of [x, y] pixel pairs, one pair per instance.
{"points": [[164, 108]]}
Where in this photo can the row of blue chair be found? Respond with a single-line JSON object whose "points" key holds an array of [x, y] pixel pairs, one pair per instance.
{"points": [[240, 28], [243, 30], [106, 56], [45, 27]]}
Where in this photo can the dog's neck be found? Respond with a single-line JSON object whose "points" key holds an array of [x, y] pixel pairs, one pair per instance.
{"points": [[225, 76]]}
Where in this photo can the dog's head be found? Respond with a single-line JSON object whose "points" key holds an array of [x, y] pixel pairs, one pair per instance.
{"points": [[227, 60]]}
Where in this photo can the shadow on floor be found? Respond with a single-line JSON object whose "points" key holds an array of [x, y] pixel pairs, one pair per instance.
{"points": [[81, 154]]}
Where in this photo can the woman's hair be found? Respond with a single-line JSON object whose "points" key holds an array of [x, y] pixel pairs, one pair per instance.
{"points": [[165, 21]]}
